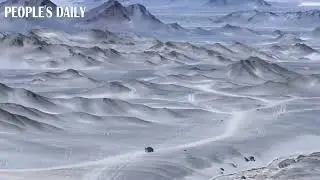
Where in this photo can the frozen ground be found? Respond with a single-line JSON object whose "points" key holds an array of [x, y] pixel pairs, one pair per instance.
{"points": [[230, 99]]}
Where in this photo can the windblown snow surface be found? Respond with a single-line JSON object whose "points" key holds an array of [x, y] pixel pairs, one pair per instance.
{"points": [[217, 95]]}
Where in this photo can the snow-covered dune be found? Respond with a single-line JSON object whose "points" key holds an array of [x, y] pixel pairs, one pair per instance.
{"points": [[256, 70], [27, 98]]}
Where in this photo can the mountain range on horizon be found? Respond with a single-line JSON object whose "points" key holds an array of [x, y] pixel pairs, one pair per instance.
{"points": [[226, 3], [116, 16], [109, 15], [113, 13]]}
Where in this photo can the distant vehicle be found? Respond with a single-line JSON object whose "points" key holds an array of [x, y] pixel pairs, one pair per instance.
{"points": [[148, 149]]}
